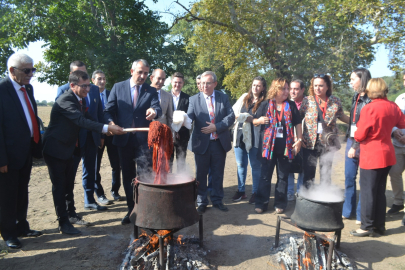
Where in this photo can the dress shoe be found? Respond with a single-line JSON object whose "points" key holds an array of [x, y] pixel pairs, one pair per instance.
{"points": [[67, 228], [380, 231], [13, 243], [125, 220], [201, 209], [31, 233], [103, 200], [395, 209], [78, 221], [116, 196], [221, 207], [94, 206], [362, 234]]}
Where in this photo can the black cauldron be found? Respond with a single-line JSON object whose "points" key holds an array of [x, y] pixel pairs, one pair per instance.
{"points": [[312, 215], [168, 206]]}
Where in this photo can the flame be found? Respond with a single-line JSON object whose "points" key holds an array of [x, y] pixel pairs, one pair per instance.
{"points": [[178, 240], [154, 240]]}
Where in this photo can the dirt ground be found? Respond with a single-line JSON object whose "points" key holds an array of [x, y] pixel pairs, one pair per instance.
{"points": [[238, 239]]}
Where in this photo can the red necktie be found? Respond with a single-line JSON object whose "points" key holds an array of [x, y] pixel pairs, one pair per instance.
{"points": [[212, 117], [135, 96], [35, 129]]}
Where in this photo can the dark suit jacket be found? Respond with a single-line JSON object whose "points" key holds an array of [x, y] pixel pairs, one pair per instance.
{"points": [[95, 110], [119, 109], [184, 133], [63, 130], [224, 118], [15, 135]]}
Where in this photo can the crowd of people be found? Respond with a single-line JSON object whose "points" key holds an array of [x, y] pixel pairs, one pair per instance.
{"points": [[274, 127]]}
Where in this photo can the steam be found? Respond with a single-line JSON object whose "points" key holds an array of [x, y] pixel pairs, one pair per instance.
{"points": [[325, 191]]}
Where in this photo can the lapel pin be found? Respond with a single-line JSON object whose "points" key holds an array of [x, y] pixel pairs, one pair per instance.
{"points": [[95, 100]]}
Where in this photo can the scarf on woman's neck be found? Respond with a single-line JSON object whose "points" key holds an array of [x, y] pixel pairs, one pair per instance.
{"points": [[270, 132]]}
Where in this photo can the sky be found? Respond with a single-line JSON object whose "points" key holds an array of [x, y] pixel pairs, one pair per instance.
{"points": [[43, 91]]}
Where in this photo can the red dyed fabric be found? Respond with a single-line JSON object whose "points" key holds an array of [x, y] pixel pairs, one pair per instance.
{"points": [[161, 139]]}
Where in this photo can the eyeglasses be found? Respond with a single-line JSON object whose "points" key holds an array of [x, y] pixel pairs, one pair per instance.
{"points": [[319, 75], [84, 85], [27, 70]]}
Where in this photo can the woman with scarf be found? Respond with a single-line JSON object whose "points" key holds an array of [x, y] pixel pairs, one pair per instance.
{"points": [[246, 147], [320, 134], [358, 80], [277, 117]]}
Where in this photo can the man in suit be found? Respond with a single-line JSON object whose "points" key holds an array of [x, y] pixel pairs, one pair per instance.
{"points": [[61, 140], [98, 78], [198, 81], [158, 78], [212, 115], [89, 145], [133, 104], [180, 103], [19, 142]]}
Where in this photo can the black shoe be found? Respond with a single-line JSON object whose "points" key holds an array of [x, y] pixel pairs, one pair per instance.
{"points": [[221, 207], [31, 233], [94, 206], [380, 231], [201, 209], [125, 220], [395, 209], [78, 220], [67, 228], [13, 243], [362, 234], [116, 196]]}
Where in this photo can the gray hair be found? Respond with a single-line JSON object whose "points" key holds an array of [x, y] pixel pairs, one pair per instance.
{"points": [[210, 73], [198, 77], [16, 59], [98, 71], [144, 62]]}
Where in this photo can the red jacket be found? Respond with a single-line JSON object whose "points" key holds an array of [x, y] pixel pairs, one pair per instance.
{"points": [[374, 133]]}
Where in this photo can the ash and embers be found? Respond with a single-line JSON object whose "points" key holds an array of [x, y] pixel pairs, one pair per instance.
{"points": [[308, 252], [182, 253]]}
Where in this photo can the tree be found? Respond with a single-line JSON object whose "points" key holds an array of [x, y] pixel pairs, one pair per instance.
{"points": [[292, 38], [106, 35]]}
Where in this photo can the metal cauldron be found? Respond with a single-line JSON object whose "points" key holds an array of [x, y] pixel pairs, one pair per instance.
{"points": [[314, 215], [166, 206]]}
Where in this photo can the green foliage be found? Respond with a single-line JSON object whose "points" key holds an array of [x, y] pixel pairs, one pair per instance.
{"points": [[41, 103], [106, 35], [290, 38], [50, 103]]}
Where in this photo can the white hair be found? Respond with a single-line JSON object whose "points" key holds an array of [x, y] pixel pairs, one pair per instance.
{"points": [[17, 59], [144, 62], [210, 73]]}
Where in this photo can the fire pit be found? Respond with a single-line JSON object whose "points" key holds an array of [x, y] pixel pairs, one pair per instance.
{"points": [[165, 208]]}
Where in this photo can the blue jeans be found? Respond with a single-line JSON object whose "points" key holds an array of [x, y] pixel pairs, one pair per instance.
{"points": [[291, 182], [351, 168], [242, 156]]}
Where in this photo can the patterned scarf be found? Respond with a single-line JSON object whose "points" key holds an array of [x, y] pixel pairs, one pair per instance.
{"points": [[270, 132]]}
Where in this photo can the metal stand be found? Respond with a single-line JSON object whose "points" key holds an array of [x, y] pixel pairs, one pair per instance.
{"points": [[332, 242]]}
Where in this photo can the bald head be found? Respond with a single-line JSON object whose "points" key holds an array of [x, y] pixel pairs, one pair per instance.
{"points": [[158, 78]]}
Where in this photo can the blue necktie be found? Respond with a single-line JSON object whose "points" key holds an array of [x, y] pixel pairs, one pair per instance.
{"points": [[102, 100]]}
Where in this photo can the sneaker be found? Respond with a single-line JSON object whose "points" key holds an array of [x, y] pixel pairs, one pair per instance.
{"points": [[252, 199], [358, 222], [78, 221], [395, 209], [116, 196], [290, 197], [239, 196], [103, 200]]}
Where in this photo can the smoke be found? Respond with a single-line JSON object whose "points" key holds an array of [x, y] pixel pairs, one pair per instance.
{"points": [[325, 191]]}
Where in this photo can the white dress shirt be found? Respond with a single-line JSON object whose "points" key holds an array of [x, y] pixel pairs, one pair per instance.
{"points": [[133, 89], [208, 101], [175, 101], [105, 127], [104, 94], [20, 95]]}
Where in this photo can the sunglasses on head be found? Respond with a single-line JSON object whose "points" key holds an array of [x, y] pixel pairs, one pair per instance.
{"points": [[27, 70], [319, 75]]}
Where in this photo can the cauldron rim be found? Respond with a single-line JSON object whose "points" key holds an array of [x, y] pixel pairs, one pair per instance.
{"points": [[164, 185], [315, 201]]}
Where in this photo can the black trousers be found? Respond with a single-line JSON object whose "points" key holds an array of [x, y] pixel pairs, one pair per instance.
{"points": [[311, 157], [14, 201], [282, 164], [62, 176], [113, 156], [135, 156], [373, 203]]}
